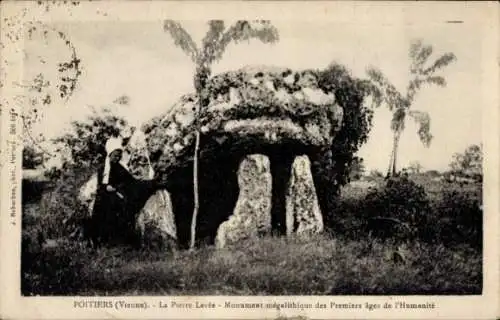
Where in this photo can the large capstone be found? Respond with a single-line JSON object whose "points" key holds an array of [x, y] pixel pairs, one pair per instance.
{"points": [[302, 208], [252, 213], [252, 110]]}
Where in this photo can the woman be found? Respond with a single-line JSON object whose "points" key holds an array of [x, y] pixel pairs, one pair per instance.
{"points": [[119, 199]]}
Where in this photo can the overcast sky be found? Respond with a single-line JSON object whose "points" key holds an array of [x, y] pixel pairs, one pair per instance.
{"points": [[138, 59]]}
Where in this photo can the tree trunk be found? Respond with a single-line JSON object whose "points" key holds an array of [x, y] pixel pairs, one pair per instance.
{"points": [[200, 81], [390, 162], [395, 156], [196, 195], [391, 171]]}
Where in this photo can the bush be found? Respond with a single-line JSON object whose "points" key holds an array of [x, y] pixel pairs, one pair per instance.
{"points": [[444, 214], [58, 213], [55, 269], [457, 218], [399, 210], [346, 220], [32, 158]]}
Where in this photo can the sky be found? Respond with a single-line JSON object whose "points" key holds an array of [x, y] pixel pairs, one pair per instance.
{"points": [[139, 59]]}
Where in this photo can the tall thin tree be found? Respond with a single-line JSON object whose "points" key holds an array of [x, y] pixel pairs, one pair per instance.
{"points": [[212, 49], [422, 72]]}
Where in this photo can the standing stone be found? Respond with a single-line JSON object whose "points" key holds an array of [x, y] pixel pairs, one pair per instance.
{"points": [[252, 213], [302, 207], [87, 193], [156, 222]]}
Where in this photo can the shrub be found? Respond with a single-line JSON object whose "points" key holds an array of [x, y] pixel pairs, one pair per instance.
{"points": [[58, 213], [400, 209], [468, 164], [457, 219], [55, 269], [346, 220], [449, 214], [32, 158]]}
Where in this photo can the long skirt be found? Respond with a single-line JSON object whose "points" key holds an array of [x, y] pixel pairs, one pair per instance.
{"points": [[114, 217]]}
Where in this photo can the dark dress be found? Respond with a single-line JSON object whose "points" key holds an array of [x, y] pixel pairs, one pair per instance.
{"points": [[114, 217]]}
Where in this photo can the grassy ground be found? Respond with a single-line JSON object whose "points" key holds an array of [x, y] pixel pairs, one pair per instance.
{"points": [[324, 265], [267, 266]]}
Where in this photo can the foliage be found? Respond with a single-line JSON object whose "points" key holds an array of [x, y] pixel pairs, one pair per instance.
{"points": [[451, 213], [53, 270], [32, 158], [59, 212], [350, 94], [457, 216], [400, 103], [432, 173], [397, 210], [469, 163], [415, 167], [86, 142]]}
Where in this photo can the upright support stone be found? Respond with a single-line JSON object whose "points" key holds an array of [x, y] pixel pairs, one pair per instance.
{"points": [[303, 212], [156, 222], [252, 213]]}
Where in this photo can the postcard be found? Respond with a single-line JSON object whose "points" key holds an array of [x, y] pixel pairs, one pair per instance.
{"points": [[249, 160]]}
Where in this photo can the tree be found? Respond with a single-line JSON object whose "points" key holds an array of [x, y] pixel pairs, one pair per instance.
{"points": [[212, 49], [351, 94], [415, 167], [469, 163], [400, 103], [31, 158], [85, 145]]}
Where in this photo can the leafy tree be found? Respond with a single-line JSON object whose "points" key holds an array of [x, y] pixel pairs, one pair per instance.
{"points": [[212, 49], [85, 145], [31, 158], [350, 93], [415, 167], [400, 103], [469, 163]]}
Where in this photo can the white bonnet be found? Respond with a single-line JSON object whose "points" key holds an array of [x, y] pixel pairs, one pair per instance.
{"points": [[113, 144]]}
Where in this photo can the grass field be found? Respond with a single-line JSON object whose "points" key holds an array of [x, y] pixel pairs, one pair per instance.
{"points": [[328, 264]]}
